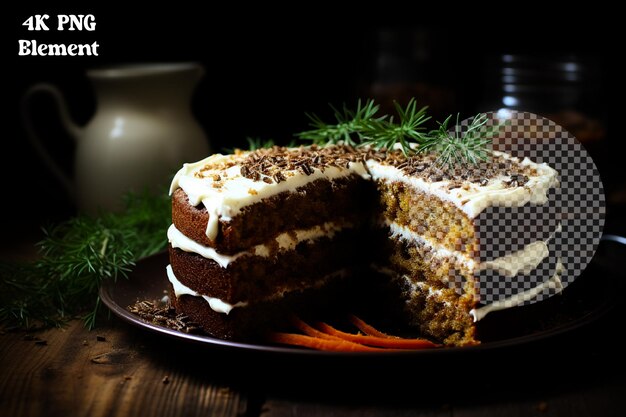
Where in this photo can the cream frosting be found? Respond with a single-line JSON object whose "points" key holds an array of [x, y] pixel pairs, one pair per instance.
{"points": [[439, 251], [284, 242], [235, 191], [553, 282], [223, 307], [473, 199], [216, 304], [523, 261]]}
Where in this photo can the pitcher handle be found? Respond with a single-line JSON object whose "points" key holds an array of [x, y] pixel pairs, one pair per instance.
{"points": [[74, 131]]}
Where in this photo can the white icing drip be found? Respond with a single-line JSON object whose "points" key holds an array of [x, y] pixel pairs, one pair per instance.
{"points": [[523, 261], [236, 191], [554, 281], [476, 198], [285, 242], [216, 304]]}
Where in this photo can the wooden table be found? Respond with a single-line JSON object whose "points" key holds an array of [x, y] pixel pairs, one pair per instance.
{"points": [[119, 370]]}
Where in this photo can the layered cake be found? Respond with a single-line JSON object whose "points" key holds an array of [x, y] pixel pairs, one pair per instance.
{"points": [[261, 232], [255, 233]]}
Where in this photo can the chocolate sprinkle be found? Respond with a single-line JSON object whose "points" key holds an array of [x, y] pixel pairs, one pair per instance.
{"points": [[163, 314], [276, 164], [424, 166]]}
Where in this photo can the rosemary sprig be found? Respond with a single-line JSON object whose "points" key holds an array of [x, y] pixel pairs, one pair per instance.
{"points": [[77, 256], [350, 128], [453, 144], [384, 133], [457, 146]]}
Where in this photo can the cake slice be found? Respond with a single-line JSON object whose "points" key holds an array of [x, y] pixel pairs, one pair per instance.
{"points": [[449, 229], [258, 234]]}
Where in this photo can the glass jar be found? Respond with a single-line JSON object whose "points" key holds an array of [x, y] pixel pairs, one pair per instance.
{"points": [[567, 90]]}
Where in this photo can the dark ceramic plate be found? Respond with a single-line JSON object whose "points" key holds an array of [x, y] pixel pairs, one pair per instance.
{"points": [[582, 302]]}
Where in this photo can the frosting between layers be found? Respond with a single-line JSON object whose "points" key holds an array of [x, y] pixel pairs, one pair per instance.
{"points": [[285, 241], [553, 282], [220, 306], [523, 261], [216, 304], [235, 191], [439, 251], [475, 198]]}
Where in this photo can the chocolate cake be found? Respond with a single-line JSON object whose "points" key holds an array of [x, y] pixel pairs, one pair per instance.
{"points": [[257, 234]]}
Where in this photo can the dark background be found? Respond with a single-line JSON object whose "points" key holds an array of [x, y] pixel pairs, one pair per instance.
{"points": [[263, 73]]}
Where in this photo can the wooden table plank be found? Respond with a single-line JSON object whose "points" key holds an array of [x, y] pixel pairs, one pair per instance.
{"points": [[599, 400], [285, 408], [76, 374]]}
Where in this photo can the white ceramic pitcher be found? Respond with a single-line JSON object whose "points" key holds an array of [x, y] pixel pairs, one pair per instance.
{"points": [[142, 132]]}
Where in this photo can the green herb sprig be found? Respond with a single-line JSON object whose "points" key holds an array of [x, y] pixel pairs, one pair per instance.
{"points": [[385, 133], [76, 257], [351, 126], [456, 146], [364, 127]]}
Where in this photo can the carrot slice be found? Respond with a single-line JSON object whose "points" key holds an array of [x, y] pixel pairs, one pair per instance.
{"points": [[387, 342], [368, 329], [309, 330], [326, 337], [336, 345]]}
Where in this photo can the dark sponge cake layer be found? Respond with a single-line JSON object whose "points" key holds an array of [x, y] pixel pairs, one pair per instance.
{"points": [[253, 321], [254, 277], [341, 199]]}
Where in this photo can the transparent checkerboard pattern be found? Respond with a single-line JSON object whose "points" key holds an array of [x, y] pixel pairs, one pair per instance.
{"points": [[578, 205]]}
